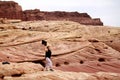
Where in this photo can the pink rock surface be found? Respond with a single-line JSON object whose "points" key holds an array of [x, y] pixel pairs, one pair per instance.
{"points": [[75, 48]]}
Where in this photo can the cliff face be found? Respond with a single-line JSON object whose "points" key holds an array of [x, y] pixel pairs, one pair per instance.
{"points": [[82, 18], [11, 10]]}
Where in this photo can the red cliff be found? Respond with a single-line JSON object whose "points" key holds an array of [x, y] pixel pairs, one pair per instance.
{"points": [[12, 10]]}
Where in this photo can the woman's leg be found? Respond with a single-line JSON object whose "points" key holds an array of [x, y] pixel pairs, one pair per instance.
{"points": [[48, 64]]}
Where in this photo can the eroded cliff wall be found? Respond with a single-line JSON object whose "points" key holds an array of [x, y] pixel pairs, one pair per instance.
{"points": [[12, 10]]}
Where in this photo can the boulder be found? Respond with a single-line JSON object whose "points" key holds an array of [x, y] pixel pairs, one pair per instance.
{"points": [[18, 69]]}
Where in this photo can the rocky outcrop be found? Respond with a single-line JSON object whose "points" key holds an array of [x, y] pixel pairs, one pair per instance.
{"points": [[11, 10], [18, 73], [82, 18], [31, 15], [4, 21], [31, 71], [75, 47], [18, 69]]}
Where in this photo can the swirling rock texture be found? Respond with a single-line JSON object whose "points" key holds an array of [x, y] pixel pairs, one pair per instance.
{"points": [[79, 52], [12, 10]]}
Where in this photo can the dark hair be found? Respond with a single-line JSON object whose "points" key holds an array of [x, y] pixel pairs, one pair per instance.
{"points": [[44, 42], [48, 47]]}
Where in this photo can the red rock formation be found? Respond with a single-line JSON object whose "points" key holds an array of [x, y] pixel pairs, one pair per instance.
{"points": [[75, 47], [11, 10], [30, 15], [31, 71], [82, 18]]}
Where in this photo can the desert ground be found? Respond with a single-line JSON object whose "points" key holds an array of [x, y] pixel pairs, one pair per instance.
{"points": [[79, 52]]}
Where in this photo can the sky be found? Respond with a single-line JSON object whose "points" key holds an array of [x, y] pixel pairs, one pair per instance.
{"points": [[107, 10]]}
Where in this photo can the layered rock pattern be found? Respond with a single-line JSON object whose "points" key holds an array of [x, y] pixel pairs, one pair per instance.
{"points": [[88, 52], [11, 10], [75, 47], [31, 71], [82, 18]]}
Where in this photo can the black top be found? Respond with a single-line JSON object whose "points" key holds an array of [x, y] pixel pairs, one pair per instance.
{"points": [[48, 53]]}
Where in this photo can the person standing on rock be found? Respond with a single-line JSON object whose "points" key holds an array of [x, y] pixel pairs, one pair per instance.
{"points": [[48, 53]]}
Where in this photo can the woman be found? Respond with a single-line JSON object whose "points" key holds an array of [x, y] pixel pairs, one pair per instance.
{"points": [[48, 53], [48, 63]]}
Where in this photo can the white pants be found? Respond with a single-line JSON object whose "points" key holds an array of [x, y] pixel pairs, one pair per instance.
{"points": [[48, 63]]}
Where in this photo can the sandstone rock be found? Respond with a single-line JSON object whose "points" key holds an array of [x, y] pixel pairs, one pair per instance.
{"points": [[12, 10], [18, 69], [3, 21], [6, 27], [59, 75], [82, 18], [76, 48]]}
